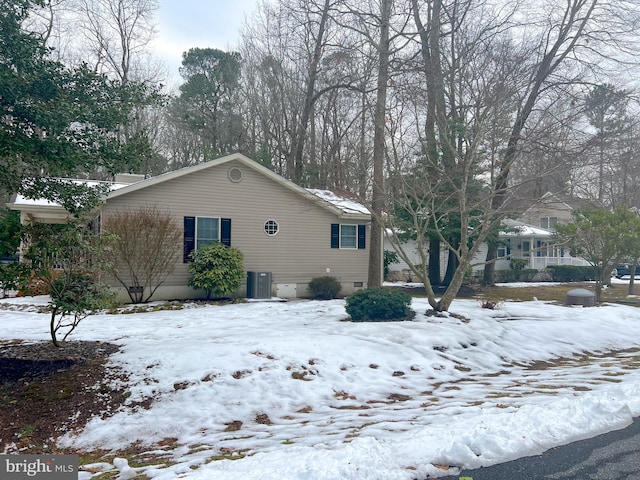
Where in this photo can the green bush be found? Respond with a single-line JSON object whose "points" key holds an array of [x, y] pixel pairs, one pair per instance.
{"points": [[216, 269], [11, 276], [389, 258], [508, 276], [572, 273], [324, 288], [378, 305], [74, 296]]}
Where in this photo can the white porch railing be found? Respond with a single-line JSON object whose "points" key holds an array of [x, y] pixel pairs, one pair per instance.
{"points": [[540, 263]]}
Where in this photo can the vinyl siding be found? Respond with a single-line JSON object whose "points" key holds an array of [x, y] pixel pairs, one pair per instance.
{"points": [[299, 252]]}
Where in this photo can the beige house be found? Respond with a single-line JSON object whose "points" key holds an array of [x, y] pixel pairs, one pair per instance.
{"points": [[287, 234]]}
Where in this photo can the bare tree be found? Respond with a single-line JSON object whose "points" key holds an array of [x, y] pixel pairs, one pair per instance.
{"points": [[301, 67], [583, 33], [141, 249], [117, 34]]}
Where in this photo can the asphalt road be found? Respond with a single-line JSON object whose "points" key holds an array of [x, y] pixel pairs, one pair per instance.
{"points": [[611, 456]]}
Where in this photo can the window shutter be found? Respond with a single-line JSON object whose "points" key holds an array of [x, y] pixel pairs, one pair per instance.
{"points": [[189, 237], [362, 236], [225, 231], [335, 235]]}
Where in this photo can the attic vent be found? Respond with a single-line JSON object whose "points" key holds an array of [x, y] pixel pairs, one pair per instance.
{"points": [[235, 174]]}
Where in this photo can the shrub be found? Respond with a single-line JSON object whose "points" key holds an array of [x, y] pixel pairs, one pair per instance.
{"points": [[507, 276], [216, 269], [140, 249], [572, 273], [389, 258], [378, 304], [518, 264], [11, 275], [324, 288], [74, 296], [60, 260]]}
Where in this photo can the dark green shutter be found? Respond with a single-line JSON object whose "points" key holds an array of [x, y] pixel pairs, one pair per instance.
{"points": [[225, 231], [362, 236], [189, 238], [335, 235]]}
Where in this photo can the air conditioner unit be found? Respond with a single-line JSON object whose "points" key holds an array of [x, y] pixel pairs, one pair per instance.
{"points": [[259, 284]]}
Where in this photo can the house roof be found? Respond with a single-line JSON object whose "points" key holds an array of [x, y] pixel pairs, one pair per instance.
{"points": [[338, 205], [519, 229], [39, 208], [348, 205], [569, 202]]}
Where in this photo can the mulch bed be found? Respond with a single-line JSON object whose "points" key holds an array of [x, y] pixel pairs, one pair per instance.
{"points": [[46, 391]]}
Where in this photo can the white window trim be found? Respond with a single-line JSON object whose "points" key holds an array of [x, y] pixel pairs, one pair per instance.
{"points": [[548, 221], [355, 226], [277, 225], [195, 243]]}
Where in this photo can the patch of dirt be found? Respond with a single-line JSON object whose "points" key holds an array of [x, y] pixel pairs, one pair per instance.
{"points": [[46, 391]]}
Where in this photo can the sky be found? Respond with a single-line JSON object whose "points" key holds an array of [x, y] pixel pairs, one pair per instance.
{"points": [[291, 391], [184, 24]]}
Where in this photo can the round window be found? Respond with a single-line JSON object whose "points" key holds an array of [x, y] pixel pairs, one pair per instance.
{"points": [[235, 174], [271, 227]]}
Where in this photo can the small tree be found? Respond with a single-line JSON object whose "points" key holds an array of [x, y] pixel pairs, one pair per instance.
{"points": [[141, 248], [601, 237], [517, 265], [74, 296], [216, 269], [62, 258]]}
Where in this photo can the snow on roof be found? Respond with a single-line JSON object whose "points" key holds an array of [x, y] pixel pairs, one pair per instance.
{"points": [[347, 205], [21, 200], [523, 230]]}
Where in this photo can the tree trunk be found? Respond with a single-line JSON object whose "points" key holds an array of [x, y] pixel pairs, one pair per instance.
{"points": [[489, 275], [377, 201], [452, 263], [310, 90], [434, 262], [454, 287], [52, 328]]}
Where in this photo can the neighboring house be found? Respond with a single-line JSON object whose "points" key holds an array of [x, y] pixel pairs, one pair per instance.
{"points": [[287, 234], [545, 214], [553, 208], [529, 237]]}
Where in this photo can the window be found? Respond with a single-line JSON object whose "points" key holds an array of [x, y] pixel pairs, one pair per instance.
{"points": [[207, 231], [271, 227], [504, 250], [548, 222], [235, 174], [348, 236], [199, 231]]}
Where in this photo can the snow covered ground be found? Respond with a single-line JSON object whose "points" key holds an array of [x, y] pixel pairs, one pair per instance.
{"points": [[292, 391]]}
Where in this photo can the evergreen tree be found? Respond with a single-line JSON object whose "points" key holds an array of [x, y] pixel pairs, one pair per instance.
{"points": [[57, 121]]}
